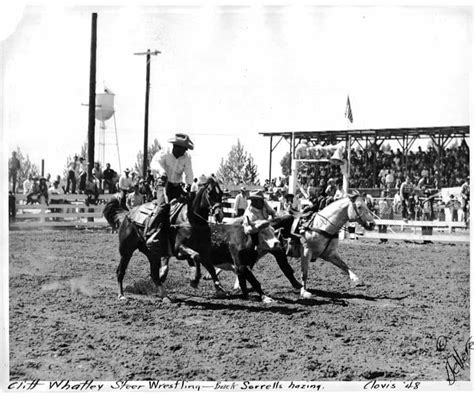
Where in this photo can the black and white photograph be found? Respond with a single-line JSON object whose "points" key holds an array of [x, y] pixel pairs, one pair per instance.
{"points": [[235, 197]]}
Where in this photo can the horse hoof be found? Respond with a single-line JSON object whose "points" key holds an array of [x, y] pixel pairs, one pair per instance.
{"points": [[266, 299], [297, 286], [122, 298], [305, 294], [194, 283], [221, 293]]}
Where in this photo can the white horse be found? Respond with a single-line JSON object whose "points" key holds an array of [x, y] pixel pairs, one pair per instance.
{"points": [[321, 235]]}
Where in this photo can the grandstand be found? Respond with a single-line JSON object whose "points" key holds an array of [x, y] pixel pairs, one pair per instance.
{"points": [[371, 155]]}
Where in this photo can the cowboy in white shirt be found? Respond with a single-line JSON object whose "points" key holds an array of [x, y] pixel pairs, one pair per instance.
{"points": [[170, 165]]}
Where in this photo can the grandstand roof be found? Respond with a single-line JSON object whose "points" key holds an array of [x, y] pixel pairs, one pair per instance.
{"points": [[386, 133]]}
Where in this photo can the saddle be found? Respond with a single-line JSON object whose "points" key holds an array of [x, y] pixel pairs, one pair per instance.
{"points": [[301, 222], [140, 215]]}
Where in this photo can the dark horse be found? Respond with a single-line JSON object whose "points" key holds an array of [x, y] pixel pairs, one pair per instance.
{"points": [[190, 237]]}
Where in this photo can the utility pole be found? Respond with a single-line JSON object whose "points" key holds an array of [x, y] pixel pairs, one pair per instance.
{"points": [[92, 78], [148, 54]]}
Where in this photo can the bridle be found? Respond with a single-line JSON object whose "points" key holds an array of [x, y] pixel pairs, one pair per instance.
{"points": [[354, 206], [359, 218], [212, 207]]}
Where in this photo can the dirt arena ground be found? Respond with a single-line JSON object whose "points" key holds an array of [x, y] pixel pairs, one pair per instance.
{"points": [[67, 323]]}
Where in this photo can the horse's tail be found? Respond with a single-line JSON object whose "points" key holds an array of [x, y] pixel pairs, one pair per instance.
{"points": [[114, 213]]}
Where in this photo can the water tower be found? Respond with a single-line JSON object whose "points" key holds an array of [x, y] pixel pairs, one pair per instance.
{"points": [[104, 111]]}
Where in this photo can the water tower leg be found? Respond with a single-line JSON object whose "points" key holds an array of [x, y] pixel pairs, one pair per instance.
{"points": [[117, 144]]}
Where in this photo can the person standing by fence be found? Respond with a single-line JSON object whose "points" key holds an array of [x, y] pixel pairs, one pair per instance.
{"points": [[27, 184], [125, 184], [465, 192], [108, 179], [82, 175], [240, 203], [71, 176], [385, 211], [11, 205], [13, 169], [406, 190]]}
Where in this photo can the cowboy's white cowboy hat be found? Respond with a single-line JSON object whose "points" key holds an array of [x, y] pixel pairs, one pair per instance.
{"points": [[182, 140]]}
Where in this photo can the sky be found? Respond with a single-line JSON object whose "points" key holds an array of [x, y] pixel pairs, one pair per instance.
{"points": [[228, 73]]}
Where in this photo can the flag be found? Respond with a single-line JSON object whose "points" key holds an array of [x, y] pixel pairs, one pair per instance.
{"points": [[348, 110]]}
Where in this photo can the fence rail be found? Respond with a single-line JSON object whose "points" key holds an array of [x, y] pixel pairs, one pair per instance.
{"points": [[76, 213]]}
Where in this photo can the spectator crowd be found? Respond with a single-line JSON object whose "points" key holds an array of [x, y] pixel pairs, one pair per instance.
{"points": [[412, 182]]}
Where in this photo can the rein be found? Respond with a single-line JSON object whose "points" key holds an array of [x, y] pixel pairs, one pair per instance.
{"points": [[357, 212], [206, 197], [327, 234]]}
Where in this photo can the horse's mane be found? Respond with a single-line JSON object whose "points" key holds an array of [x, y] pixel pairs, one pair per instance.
{"points": [[195, 207], [334, 206]]}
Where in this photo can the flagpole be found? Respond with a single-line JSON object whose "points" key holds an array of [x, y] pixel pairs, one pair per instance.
{"points": [[347, 172]]}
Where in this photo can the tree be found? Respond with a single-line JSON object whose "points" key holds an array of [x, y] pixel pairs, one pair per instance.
{"points": [[285, 165], [26, 167], [152, 150], [238, 168]]}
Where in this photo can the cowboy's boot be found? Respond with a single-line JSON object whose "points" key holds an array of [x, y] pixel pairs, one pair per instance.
{"points": [[160, 202], [159, 234]]}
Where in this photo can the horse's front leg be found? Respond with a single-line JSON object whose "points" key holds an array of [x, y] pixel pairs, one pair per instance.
{"points": [[206, 261], [306, 255], [333, 256], [155, 265], [193, 260]]}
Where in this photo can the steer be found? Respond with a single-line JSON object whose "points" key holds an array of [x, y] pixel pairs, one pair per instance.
{"points": [[236, 251]]}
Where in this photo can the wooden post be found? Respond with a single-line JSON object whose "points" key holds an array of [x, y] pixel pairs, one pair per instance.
{"points": [[148, 54], [42, 167], [147, 100], [92, 78]]}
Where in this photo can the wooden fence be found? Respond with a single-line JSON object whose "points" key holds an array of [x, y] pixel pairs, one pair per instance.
{"points": [[74, 213], [77, 214]]}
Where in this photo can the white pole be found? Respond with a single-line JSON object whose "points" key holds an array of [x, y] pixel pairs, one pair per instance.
{"points": [[116, 142], [293, 176]]}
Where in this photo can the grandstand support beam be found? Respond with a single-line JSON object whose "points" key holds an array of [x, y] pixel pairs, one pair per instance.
{"points": [[440, 142], [406, 143], [272, 148], [270, 160]]}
